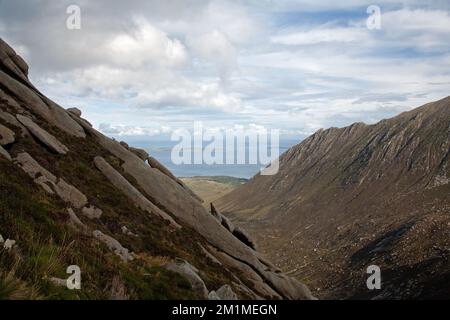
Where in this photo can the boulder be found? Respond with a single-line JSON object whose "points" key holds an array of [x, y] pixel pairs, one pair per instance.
{"points": [[1, 239], [70, 194], [130, 191], [158, 165], [215, 213], [12, 62], [213, 296], [49, 182], [252, 278], [188, 271], [46, 138], [225, 292], [75, 111], [289, 288], [6, 135], [113, 245], [210, 256], [10, 119], [5, 154], [75, 221], [124, 144], [141, 153], [92, 212], [9, 244]]}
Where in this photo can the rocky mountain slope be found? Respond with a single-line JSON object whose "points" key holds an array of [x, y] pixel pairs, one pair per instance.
{"points": [[348, 198], [71, 196]]}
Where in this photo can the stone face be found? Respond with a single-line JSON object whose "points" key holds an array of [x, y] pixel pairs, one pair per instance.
{"points": [[249, 275], [6, 135], [113, 245], [75, 111], [289, 287], [130, 191], [92, 212], [70, 194], [17, 84], [5, 154], [10, 119], [158, 165], [141, 153], [33, 168], [191, 274], [225, 292], [46, 138], [49, 182], [9, 244]]}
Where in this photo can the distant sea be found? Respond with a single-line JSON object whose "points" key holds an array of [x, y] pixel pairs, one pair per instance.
{"points": [[161, 150]]}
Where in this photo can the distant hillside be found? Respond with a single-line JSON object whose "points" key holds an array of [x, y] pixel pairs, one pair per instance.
{"points": [[212, 188], [348, 198], [71, 196]]}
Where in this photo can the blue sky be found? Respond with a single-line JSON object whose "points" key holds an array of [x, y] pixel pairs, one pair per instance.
{"points": [[147, 68]]}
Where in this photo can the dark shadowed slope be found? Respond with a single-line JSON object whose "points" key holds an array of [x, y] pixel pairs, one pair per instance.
{"points": [[350, 197]]}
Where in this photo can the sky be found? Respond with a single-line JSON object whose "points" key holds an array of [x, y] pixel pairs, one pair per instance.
{"points": [[146, 68]]}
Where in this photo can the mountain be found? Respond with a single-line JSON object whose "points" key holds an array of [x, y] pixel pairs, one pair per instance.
{"points": [[70, 196], [347, 198]]}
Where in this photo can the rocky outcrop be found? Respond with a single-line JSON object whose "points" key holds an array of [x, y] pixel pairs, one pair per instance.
{"points": [[10, 119], [141, 153], [242, 235], [9, 244], [49, 182], [238, 232], [129, 173], [92, 212], [225, 292], [130, 191], [158, 165], [15, 81], [113, 245], [6, 135], [191, 274], [75, 111], [43, 136]]}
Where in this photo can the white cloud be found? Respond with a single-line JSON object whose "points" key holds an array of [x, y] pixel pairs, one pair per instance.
{"points": [[234, 62], [146, 45], [215, 47], [321, 35]]}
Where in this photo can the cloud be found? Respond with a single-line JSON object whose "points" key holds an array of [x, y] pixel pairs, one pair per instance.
{"points": [[294, 65], [215, 47], [144, 46]]}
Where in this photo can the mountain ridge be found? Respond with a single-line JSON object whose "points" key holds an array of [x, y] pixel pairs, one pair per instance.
{"points": [[342, 187]]}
